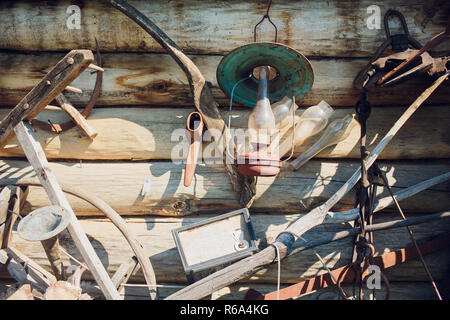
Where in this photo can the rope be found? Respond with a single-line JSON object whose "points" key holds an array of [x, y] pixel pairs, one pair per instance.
{"points": [[323, 263], [413, 240], [279, 271], [231, 98]]}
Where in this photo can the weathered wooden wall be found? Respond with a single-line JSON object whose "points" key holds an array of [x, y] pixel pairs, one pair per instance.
{"points": [[146, 134], [158, 243], [154, 79], [145, 96], [120, 185], [317, 28]]}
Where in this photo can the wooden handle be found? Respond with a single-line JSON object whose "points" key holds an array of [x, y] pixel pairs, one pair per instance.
{"points": [[76, 116]]}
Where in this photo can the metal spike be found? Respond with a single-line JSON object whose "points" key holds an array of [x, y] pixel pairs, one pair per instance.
{"points": [[95, 67], [50, 107]]}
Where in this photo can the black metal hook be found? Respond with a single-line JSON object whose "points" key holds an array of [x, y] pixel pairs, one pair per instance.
{"points": [[400, 16], [262, 19]]}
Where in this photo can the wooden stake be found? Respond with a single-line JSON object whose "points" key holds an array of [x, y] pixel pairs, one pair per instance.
{"points": [[317, 215], [76, 116], [352, 214], [73, 89], [95, 67], [37, 159]]}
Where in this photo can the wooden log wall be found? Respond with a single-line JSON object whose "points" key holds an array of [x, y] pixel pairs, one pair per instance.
{"points": [[145, 97]]}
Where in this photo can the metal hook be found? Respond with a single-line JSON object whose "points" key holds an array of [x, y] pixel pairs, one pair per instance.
{"points": [[268, 18], [400, 16]]}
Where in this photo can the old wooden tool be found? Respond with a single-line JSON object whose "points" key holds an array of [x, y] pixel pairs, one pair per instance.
{"points": [[437, 39], [56, 80], [336, 132], [347, 273], [115, 218], [203, 99], [194, 127], [314, 218], [398, 42]]}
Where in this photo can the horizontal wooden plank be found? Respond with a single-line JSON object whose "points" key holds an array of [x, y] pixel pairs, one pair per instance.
{"points": [[155, 79], [399, 290], [142, 133], [120, 185], [320, 28], [155, 235]]}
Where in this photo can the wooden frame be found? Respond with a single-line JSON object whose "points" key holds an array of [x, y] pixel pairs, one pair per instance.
{"points": [[198, 270]]}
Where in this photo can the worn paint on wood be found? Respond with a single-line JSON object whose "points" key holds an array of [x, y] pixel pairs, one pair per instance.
{"points": [[120, 185], [158, 243], [320, 28], [155, 79]]}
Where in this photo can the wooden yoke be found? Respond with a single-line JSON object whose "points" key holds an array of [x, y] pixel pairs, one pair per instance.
{"points": [[54, 82]]}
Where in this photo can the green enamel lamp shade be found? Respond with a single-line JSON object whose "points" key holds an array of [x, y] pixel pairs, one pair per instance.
{"points": [[295, 76]]}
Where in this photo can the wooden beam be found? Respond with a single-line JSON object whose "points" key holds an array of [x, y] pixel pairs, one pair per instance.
{"points": [[76, 116], [120, 184], [334, 28], [141, 134], [144, 79], [36, 157], [53, 83]]}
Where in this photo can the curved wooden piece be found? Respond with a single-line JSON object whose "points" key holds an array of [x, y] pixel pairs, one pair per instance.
{"points": [[116, 219]]}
